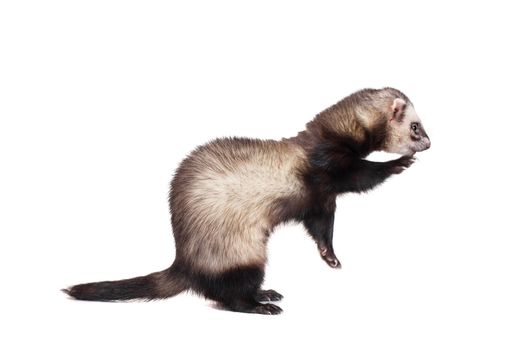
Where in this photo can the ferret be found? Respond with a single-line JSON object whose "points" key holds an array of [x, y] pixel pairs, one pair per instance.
{"points": [[228, 195]]}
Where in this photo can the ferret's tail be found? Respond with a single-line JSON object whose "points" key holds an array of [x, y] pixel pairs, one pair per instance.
{"points": [[158, 285]]}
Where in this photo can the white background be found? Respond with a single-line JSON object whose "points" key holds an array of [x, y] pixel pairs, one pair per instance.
{"points": [[101, 100]]}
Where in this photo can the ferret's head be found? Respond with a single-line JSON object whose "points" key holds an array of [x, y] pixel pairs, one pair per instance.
{"points": [[386, 115], [404, 131]]}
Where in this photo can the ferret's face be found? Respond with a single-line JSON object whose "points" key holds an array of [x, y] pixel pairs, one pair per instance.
{"points": [[405, 132]]}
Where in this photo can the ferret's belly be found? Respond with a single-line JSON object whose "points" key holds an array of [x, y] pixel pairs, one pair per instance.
{"points": [[230, 216]]}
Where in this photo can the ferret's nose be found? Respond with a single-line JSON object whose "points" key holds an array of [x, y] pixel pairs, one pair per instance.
{"points": [[427, 143]]}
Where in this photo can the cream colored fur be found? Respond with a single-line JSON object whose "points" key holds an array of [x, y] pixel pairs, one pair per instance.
{"points": [[398, 136], [228, 203]]}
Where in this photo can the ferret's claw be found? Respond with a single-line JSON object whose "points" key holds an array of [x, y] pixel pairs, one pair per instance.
{"points": [[332, 261], [329, 257]]}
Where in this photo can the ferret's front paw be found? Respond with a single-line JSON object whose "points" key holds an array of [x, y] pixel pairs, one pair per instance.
{"points": [[399, 165], [329, 258]]}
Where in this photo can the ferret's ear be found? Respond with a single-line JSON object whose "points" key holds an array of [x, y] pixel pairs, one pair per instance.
{"points": [[397, 109]]}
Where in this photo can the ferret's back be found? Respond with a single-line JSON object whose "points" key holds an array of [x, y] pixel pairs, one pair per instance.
{"points": [[242, 169]]}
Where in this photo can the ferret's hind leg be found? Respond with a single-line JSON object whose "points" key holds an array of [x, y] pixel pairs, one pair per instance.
{"points": [[236, 290]]}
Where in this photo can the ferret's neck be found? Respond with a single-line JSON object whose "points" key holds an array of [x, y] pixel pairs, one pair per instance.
{"points": [[339, 126]]}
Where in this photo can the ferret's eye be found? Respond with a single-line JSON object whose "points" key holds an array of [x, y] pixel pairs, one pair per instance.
{"points": [[414, 126]]}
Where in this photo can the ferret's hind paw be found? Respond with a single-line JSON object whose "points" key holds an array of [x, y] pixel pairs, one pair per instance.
{"points": [[268, 295], [267, 309]]}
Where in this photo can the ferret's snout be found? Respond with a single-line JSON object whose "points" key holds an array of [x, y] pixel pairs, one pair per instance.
{"points": [[427, 143]]}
